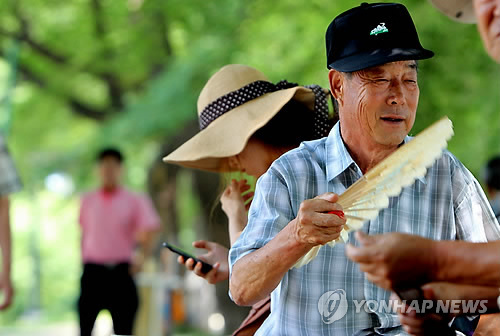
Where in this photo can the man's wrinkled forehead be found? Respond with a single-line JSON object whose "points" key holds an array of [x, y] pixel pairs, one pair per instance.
{"points": [[379, 69]]}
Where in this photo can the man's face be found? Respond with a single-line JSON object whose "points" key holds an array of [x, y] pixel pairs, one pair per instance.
{"points": [[379, 104], [488, 23], [110, 170]]}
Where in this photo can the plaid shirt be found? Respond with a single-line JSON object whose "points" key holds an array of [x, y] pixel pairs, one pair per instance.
{"points": [[9, 181], [447, 204]]}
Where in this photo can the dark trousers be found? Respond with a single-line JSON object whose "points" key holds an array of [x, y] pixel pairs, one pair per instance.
{"points": [[111, 288]]}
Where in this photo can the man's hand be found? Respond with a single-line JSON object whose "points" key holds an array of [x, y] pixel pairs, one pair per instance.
{"points": [[489, 325], [481, 297], [314, 226], [216, 256], [425, 324], [257, 274], [6, 291], [449, 291], [419, 324], [394, 260]]}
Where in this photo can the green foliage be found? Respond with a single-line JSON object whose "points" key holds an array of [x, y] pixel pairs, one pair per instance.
{"points": [[137, 67], [284, 40]]}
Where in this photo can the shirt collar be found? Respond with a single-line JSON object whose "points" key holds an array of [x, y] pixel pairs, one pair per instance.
{"points": [[109, 193], [338, 158]]}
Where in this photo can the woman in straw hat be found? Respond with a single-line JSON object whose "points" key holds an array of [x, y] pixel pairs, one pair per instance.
{"points": [[246, 123]]}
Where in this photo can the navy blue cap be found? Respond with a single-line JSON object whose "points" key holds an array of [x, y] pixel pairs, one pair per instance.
{"points": [[371, 35]]}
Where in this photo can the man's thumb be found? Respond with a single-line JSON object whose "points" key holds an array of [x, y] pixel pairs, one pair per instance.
{"points": [[364, 239], [330, 197]]}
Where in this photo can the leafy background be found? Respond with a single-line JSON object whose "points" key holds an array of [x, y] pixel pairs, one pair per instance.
{"points": [[77, 75]]}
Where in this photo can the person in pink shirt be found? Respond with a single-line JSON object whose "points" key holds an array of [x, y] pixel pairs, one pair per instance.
{"points": [[113, 221]]}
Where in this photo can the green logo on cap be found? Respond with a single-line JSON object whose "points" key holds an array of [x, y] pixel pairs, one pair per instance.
{"points": [[381, 28]]}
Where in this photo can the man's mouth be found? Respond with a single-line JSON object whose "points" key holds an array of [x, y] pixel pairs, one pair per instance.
{"points": [[392, 119]]}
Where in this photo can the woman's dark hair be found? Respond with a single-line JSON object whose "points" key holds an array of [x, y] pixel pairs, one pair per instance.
{"points": [[293, 124], [110, 152]]}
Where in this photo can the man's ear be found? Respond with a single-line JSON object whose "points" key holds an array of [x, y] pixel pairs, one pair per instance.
{"points": [[336, 80]]}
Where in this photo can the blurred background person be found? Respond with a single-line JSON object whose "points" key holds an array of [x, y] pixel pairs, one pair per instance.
{"points": [[113, 220], [492, 182], [267, 121], [9, 183]]}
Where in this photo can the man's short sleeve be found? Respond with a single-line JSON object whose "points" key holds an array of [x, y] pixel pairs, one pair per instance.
{"points": [[9, 180], [147, 218], [473, 215], [269, 213]]}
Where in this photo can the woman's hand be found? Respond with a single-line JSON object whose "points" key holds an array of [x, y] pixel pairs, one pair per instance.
{"points": [[234, 201], [216, 256]]}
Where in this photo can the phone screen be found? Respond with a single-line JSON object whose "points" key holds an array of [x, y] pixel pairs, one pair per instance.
{"points": [[205, 268]]}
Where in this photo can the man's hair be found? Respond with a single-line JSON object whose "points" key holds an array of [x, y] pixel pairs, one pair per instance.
{"points": [[110, 152], [350, 74], [492, 173]]}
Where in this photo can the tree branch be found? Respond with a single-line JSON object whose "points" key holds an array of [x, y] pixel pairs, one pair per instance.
{"points": [[39, 48], [165, 41], [98, 19], [76, 105], [87, 111], [115, 89]]}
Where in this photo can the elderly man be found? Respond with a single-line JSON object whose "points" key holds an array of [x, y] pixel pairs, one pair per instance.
{"points": [[9, 183], [371, 53], [455, 270]]}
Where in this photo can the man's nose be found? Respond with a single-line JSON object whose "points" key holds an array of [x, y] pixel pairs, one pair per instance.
{"points": [[396, 95]]}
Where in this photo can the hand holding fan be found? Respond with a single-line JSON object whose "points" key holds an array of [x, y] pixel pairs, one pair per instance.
{"points": [[366, 197]]}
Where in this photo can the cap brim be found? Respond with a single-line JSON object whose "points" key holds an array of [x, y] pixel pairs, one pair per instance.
{"points": [[378, 57], [228, 134]]}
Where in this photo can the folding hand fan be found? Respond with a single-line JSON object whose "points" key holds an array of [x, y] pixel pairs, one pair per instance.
{"points": [[366, 197]]}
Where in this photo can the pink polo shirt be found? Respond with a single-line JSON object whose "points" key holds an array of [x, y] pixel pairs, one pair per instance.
{"points": [[110, 222]]}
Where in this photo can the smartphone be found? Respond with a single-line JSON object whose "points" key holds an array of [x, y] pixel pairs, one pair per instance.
{"points": [[205, 268]]}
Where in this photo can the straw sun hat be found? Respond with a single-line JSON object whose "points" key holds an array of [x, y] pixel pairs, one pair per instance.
{"points": [[458, 10], [235, 102]]}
